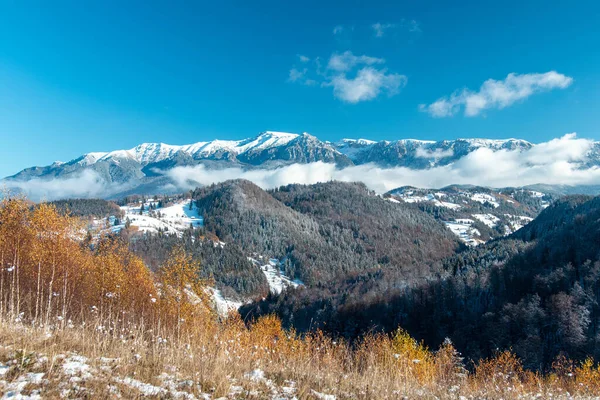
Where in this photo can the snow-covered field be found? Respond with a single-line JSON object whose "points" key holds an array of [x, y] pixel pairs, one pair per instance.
{"points": [[485, 198], [410, 197], [175, 218], [488, 219], [463, 229], [468, 206], [222, 305], [517, 221]]}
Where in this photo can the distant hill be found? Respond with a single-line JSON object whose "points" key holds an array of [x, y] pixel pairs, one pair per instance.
{"points": [[477, 214], [97, 208], [326, 230]]}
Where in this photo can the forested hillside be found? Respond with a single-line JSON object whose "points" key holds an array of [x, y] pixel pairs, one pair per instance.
{"points": [[477, 214], [97, 208], [226, 264], [535, 292], [325, 231]]}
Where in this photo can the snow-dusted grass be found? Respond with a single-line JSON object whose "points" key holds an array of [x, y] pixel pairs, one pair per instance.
{"points": [[261, 363]]}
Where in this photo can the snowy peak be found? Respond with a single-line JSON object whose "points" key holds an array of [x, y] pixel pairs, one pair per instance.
{"points": [[498, 143], [143, 168], [402, 152], [147, 153], [266, 140], [355, 142]]}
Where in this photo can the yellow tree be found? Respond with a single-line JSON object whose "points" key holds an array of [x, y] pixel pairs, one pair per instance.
{"points": [[181, 285], [54, 250], [120, 280], [15, 230]]}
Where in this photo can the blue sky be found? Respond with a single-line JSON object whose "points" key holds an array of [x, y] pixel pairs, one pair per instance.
{"points": [[89, 76]]}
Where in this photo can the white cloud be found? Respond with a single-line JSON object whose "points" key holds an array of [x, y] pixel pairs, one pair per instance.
{"points": [[366, 85], [299, 76], [296, 74], [303, 58], [338, 29], [496, 94], [559, 161], [87, 184], [380, 28], [346, 61]]}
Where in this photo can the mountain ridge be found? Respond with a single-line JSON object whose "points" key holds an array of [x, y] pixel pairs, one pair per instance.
{"points": [[146, 168], [151, 152]]}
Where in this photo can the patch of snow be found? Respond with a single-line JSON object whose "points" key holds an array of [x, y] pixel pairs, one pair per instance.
{"points": [[275, 276], [222, 305], [488, 219], [145, 388], [76, 365], [462, 228], [409, 197], [517, 221], [323, 396], [174, 219], [536, 194], [485, 198]]}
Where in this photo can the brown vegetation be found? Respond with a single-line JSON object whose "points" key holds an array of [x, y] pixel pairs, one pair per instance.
{"points": [[59, 298]]}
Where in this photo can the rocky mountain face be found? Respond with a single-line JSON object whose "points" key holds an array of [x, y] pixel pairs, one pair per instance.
{"points": [[144, 168]]}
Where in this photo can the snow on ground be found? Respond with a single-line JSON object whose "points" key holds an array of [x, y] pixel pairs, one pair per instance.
{"points": [[409, 197], [223, 306], [484, 197], [488, 219], [275, 275], [174, 219], [535, 193], [517, 221], [539, 195], [462, 228], [56, 378]]}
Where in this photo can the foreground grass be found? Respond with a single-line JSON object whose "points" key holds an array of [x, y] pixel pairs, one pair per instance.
{"points": [[89, 320], [260, 363]]}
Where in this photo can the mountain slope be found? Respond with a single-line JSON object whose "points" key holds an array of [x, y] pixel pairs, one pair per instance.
{"points": [[335, 238], [536, 291], [476, 214]]}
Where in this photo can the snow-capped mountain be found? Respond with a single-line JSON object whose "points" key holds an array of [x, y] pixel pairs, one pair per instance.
{"points": [[420, 154], [143, 169]]}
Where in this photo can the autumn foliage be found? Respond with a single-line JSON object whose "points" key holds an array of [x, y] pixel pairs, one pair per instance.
{"points": [[53, 279], [51, 276]]}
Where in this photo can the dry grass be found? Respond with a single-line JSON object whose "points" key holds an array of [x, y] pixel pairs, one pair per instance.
{"points": [[81, 323], [231, 361]]}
